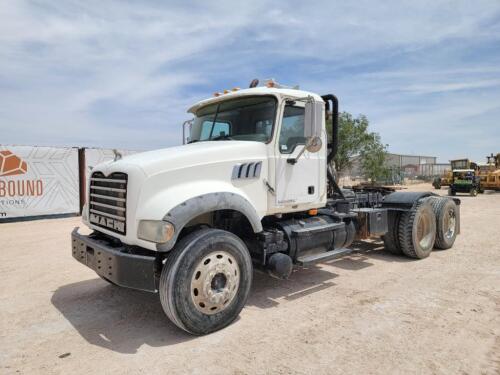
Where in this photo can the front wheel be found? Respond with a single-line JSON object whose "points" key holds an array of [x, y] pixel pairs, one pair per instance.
{"points": [[206, 281], [473, 192]]}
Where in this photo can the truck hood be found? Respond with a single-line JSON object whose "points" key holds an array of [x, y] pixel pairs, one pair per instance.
{"points": [[186, 156]]}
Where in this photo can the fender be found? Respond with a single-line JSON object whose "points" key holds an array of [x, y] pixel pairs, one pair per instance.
{"points": [[404, 199], [184, 212]]}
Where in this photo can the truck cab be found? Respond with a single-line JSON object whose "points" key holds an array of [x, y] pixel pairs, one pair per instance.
{"points": [[245, 145], [252, 186]]}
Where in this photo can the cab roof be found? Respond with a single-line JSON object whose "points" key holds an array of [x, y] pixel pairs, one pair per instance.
{"points": [[274, 91]]}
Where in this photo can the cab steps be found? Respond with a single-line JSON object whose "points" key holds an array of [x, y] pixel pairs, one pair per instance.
{"points": [[307, 260]]}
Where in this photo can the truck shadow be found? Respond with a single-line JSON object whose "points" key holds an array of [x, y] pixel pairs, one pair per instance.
{"points": [[371, 249], [123, 320], [115, 318], [267, 291]]}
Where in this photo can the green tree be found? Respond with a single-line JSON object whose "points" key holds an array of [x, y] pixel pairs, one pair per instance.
{"points": [[354, 140], [373, 160]]}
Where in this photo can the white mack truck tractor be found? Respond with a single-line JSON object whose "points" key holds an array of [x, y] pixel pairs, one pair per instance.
{"points": [[251, 187]]}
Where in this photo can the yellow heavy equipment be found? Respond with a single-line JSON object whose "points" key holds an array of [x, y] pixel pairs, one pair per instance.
{"points": [[489, 173]]}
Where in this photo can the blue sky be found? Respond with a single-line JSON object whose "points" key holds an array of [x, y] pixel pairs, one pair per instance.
{"points": [[122, 74]]}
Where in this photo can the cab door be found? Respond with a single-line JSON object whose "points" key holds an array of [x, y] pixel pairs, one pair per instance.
{"points": [[297, 180]]}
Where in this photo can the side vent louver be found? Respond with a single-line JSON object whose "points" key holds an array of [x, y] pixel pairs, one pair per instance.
{"points": [[246, 170]]}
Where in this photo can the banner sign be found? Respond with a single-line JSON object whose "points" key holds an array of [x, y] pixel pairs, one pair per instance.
{"points": [[38, 181]]}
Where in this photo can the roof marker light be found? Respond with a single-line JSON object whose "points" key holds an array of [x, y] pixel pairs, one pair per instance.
{"points": [[270, 83]]}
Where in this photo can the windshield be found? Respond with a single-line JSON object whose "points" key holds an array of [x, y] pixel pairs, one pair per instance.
{"points": [[245, 119], [460, 164], [467, 175]]}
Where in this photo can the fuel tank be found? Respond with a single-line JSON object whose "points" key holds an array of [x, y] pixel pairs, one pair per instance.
{"points": [[316, 234]]}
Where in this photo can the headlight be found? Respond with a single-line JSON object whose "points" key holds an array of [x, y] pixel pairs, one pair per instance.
{"points": [[155, 231]]}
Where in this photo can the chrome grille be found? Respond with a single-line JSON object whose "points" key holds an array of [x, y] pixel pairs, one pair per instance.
{"points": [[108, 201]]}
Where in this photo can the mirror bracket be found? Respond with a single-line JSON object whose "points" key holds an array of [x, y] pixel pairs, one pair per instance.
{"points": [[313, 144]]}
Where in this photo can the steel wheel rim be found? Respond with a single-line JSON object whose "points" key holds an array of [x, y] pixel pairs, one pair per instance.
{"points": [[424, 232], [215, 282], [449, 224]]}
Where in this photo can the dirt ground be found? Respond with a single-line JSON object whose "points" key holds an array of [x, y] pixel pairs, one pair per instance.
{"points": [[367, 313]]}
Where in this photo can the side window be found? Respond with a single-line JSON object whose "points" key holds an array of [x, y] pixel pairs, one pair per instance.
{"points": [[219, 128], [292, 129]]}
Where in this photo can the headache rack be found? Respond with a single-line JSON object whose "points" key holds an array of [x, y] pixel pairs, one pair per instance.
{"points": [[108, 201]]}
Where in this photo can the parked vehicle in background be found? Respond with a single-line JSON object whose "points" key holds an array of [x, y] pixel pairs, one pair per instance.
{"points": [[251, 187], [447, 177], [465, 181], [443, 180]]}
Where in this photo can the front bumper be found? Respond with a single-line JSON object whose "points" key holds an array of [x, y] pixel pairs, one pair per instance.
{"points": [[115, 263]]}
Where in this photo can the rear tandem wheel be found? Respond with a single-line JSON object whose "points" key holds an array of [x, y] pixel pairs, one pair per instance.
{"points": [[417, 230], [446, 212]]}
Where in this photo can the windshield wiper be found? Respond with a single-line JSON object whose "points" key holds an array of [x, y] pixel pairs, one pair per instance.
{"points": [[225, 137], [194, 140]]}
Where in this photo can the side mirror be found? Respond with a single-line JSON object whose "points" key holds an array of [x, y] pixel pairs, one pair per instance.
{"points": [[313, 121], [313, 144], [313, 118]]}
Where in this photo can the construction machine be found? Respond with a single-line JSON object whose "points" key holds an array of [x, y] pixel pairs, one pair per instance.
{"points": [[489, 173]]}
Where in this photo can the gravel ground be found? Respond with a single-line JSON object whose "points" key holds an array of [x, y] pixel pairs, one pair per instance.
{"points": [[367, 313]]}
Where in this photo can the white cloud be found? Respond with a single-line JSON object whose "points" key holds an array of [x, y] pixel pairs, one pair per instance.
{"points": [[451, 86]]}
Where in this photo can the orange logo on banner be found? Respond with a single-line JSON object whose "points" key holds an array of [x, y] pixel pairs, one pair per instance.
{"points": [[11, 165]]}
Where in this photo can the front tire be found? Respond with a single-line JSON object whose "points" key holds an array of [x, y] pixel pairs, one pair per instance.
{"points": [[206, 281], [473, 192]]}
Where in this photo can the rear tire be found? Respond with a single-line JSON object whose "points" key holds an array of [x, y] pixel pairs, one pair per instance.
{"points": [[391, 239], [473, 192], [417, 230], [446, 212], [206, 281]]}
